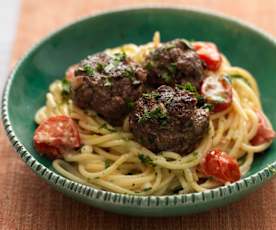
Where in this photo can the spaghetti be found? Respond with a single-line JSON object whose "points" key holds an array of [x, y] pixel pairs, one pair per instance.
{"points": [[112, 160]]}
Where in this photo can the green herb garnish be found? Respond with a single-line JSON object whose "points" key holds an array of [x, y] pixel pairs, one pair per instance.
{"points": [[129, 73], [65, 89], [166, 77], [107, 163], [192, 89], [119, 57], [65, 86], [149, 65], [145, 160], [100, 67], [188, 86], [130, 103], [208, 106], [172, 68], [88, 69], [157, 114], [152, 95], [147, 189], [151, 139], [107, 82]]}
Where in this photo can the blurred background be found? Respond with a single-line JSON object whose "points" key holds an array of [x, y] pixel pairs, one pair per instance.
{"points": [[23, 23]]}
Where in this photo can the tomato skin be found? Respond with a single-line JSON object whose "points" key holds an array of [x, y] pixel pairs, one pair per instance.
{"points": [[55, 134], [209, 54], [221, 166], [264, 133], [50, 151], [218, 92], [70, 73]]}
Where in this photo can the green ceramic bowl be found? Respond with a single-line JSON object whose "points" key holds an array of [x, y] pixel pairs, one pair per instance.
{"points": [[26, 87]]}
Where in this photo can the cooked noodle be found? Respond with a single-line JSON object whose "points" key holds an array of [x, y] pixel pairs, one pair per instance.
{"points": [[110, 158]]}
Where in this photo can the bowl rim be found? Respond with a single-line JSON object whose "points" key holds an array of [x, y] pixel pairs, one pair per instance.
{"points": [[151, 201]]}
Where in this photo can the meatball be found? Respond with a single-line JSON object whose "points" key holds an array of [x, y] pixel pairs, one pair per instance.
{"points": [[168, 119], [175, 62], [108, 84]]}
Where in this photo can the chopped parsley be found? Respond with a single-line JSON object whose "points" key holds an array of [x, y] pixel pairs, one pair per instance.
{"points": [[107, 163], [129, 73], [65, 88], [106, 126], [119, 57], [188, 86], [172, 68], [88, 69], [192, 89], [156, 114], [100, 67], [130, 103], [152, 95], [149, 65], [151, 139], [166, 77], [145, 160], [107, 82], [108, 67], [147, 189], [115, 61], [208, 106]]}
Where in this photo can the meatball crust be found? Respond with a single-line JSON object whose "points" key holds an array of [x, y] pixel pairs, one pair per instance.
{"points": [[167, 119], [107, 84], [175, 62]]}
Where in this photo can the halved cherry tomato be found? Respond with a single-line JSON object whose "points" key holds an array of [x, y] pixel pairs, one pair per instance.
{"points": [[208, 53], [70, 73], [264, 132], [218, 92], [221, 166], [55, 134]]}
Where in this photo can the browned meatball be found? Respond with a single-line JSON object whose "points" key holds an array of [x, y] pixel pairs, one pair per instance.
{"points": [[175, 62], [168, 119], [108, 85]]}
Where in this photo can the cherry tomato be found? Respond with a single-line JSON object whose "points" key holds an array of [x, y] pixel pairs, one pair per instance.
{"points": [[54, 134], [209, 54], [218, 92], [264, 133], [221, 166], [70, 73]]}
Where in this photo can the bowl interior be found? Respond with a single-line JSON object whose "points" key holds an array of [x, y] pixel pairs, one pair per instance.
{"points": [[50, 58]]}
